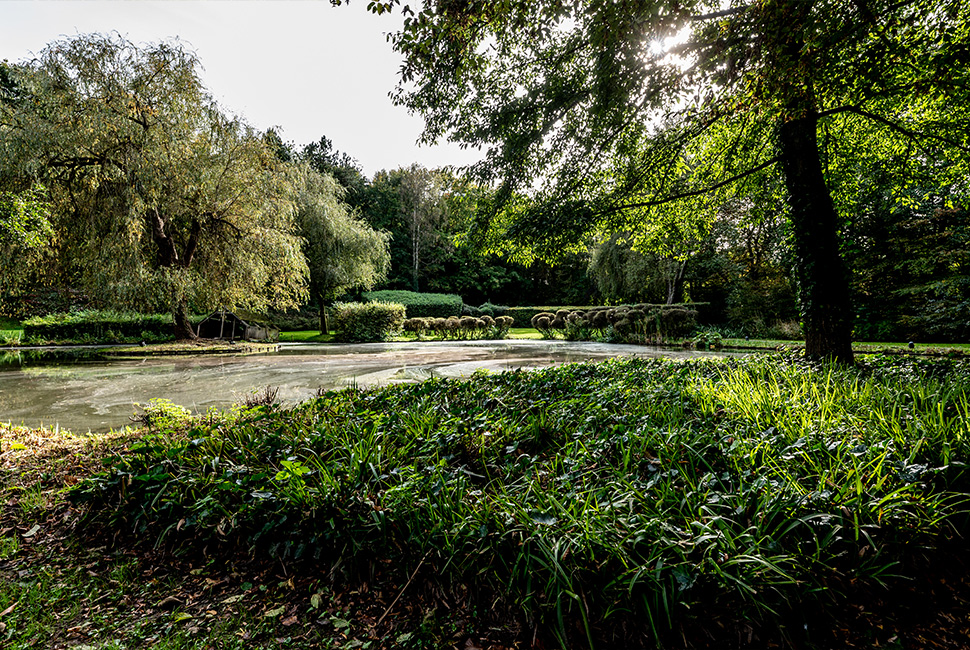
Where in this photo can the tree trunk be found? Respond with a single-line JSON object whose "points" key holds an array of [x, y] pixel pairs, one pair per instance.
{"points": [[821, 273], [324, 320], [183, 326], [415, 250]]}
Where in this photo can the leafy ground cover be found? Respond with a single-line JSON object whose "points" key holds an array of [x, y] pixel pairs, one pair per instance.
{"points": [[621, 504]]}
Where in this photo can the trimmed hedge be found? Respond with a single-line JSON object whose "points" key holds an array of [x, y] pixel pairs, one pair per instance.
{"points": [[366, 322], [101, 326], [523, 315], [420, 305], [640, 323]]}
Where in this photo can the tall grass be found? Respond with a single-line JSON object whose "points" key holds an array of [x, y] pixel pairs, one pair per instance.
{"points": [[609, 501]]}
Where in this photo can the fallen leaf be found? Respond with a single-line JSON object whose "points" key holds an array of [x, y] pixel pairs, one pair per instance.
{"points": [[181, 616], [8, 610], [273, 613], [232, 599], [32, 531], [340, 623], [290, 620], [170, 601], [315, 601]]}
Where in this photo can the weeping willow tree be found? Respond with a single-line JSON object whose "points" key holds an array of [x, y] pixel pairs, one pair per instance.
{"points": [[342, 251], [159, 199]]}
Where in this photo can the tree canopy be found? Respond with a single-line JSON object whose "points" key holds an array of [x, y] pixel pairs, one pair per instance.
{"points": [[594, 115], [159, 198], [342, 251]]}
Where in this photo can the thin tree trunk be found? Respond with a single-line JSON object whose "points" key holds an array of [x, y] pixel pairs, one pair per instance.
{"points": [[324, 320], [415, 249]]}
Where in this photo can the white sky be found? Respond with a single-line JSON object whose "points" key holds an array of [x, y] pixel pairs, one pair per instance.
{"points": [[304, 66]]}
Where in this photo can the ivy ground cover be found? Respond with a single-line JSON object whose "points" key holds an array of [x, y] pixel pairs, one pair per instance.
{"points": [[631, 501]]}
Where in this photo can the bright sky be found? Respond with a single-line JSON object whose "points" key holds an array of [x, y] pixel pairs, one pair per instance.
{"points": [[304, 66]]}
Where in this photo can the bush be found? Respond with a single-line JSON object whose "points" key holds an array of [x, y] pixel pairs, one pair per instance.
{"points": [[94, 326], [677, 323], [678, 490], [786, 330], [357, 322], [420, 305], [488, 309], [298, 321]]}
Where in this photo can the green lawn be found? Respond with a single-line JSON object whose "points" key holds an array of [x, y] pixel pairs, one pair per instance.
{"points": [[858, 346], [308, 336]]}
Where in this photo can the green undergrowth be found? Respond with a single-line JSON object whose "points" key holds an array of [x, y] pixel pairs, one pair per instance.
{"points": [[609, 502]]}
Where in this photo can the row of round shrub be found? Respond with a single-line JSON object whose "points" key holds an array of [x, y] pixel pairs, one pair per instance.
{"points": [[635, 323], [464, 327]]}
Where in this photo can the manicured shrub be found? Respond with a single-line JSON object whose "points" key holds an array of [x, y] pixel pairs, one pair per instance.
{"points": [[677, 323], [357, 322], [416, 325], [420, 305], [96, 326]]}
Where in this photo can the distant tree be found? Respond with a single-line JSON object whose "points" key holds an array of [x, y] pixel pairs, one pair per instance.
{"points": [[159, 199], [343, 252], [425, 213], [322, 156]]}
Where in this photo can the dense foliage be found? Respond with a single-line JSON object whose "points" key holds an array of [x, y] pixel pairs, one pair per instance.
{"points": [[912, 276], [420, 305], [613, 500], [95, 326], [649, 117], [466, 327], [342, 252], [26, 235], [365, 322], [159, 198]]}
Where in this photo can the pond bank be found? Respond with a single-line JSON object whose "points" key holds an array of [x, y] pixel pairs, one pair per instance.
{"points": [[97, 394]]}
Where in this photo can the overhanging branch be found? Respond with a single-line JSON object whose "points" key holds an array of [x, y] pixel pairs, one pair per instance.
{"points": [[686, 195], [893, 126]]}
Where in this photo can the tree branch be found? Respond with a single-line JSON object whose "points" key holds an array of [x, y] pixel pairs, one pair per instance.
{"points": [[733, 11], [686, 195], [893, 126]]}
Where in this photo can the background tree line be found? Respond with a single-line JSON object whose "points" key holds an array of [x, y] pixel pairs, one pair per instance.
{"points": [[123, 179]]}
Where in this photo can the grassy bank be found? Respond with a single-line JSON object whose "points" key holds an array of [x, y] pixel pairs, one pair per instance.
{"points": [[625, 503]]}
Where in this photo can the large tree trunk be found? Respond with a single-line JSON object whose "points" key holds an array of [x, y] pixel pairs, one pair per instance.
{"points": [[821, 273], [183, 326]]}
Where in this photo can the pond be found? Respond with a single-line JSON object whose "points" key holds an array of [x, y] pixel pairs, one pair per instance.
{"points": [[82, 391]]}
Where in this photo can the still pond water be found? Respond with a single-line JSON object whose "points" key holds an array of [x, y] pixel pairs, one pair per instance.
{"points": [[84, 392]]}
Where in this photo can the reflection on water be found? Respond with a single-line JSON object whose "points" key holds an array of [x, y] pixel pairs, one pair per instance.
{"points": [[46, 356], [81, 390]]}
